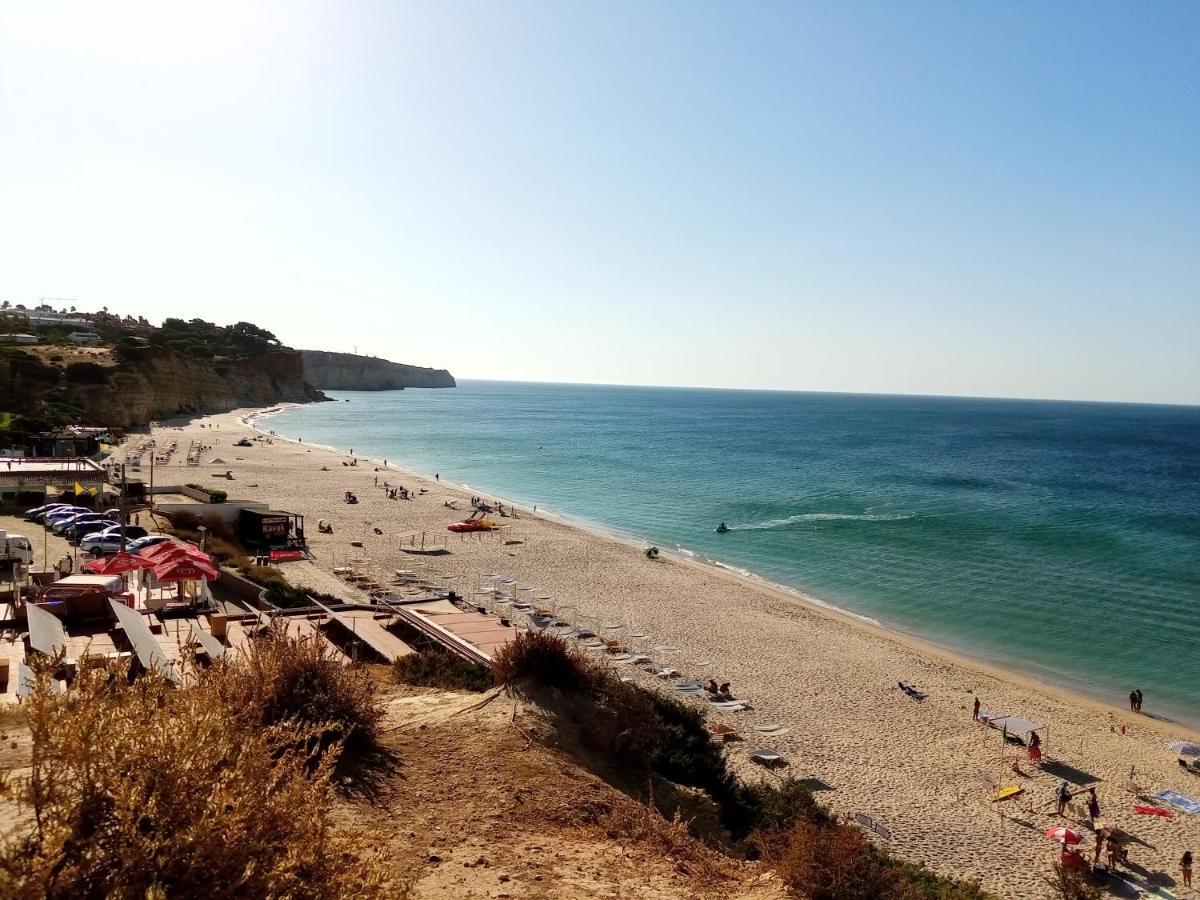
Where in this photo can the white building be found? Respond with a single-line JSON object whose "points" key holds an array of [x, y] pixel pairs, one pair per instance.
{"points": [[18, 339], [83, 337]]}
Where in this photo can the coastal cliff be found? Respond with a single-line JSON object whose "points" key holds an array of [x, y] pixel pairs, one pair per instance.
{"points": [[348, 372], [166, 385], [147, 384]]}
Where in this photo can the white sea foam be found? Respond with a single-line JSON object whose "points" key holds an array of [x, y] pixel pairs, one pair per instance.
{"points": [[824, 517]]}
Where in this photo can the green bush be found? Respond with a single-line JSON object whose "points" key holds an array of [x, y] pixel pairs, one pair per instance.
{"points": [[438, 668]]}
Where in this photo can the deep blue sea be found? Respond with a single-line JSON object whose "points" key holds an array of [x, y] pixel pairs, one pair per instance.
{"points": [[1060, 539]]}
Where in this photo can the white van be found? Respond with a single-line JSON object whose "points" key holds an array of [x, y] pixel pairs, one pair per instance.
{"points": [[15, 547]]}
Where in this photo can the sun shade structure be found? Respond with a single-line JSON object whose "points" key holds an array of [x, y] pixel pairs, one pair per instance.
{"points": [[1185, 748], [184, 569], [167, 548], [118, 564], [370, 633], [148, 651], [1016, 726], [46, 633]]}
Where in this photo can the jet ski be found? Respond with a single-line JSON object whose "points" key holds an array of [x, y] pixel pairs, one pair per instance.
{"points": [[722, 528]]}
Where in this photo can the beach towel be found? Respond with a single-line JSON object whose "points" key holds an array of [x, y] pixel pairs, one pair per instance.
{"points": [[1181, 802], [1151, 811]]}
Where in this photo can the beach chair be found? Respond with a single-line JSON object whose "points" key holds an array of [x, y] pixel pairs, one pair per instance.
{"points": [[722, 732], [768, 759]]}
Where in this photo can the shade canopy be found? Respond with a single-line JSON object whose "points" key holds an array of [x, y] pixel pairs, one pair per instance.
{"points": [[1185, 748], [167, 547], [184, 569], [118, 563]]}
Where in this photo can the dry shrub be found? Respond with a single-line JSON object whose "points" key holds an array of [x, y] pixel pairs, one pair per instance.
{"points": [[825, 863], [437, 668], [638, 823], [827, 860], [543, 659], [281, 679], [143, 790]]}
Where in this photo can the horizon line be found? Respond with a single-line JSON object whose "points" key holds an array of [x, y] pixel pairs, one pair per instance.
{"points": [[782, 390]]}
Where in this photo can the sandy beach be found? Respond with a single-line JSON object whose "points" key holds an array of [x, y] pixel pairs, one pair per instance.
{"points": [[920, 768]]}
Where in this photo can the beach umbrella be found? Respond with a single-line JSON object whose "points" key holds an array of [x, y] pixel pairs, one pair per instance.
{"points": [[171, 550], [176, 570], [118, 564], [1185, 748], [165, 547], [1064, 835]]}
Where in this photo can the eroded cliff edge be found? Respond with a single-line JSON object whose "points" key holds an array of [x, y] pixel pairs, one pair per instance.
{"points": [[348, 372]]}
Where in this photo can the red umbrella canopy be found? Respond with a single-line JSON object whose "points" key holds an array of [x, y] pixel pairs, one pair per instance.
{"points": [[118, 563], [184, 569], [167, 547]]}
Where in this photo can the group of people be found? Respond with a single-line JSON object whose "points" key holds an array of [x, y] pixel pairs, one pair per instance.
{"points": [[719, 692], [397, 492]]}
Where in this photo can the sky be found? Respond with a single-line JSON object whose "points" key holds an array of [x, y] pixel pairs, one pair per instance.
{"points": [[939, 198]]}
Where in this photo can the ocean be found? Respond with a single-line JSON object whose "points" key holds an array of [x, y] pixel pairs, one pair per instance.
{"points": [[1058, 539]]}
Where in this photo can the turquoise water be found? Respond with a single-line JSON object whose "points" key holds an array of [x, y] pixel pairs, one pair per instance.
{"points": [[1062, 539]]}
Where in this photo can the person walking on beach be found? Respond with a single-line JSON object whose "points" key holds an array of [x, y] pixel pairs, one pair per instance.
{"points": [[1064, 797], [1139, 699], [975, 711], [1185, 868], [1133, 700], [1093, 806], [1099, 848], [437, 476]]}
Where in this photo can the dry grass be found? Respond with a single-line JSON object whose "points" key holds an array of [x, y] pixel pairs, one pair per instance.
{"points": [[826, 860], [142, 790], [544, 659], [281, 679]]}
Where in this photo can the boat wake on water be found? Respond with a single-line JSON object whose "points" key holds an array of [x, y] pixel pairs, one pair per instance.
{"points": [[806, 518]]}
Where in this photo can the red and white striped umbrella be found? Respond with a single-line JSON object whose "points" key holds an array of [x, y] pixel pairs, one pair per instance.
{"points": [[1064, 835]]}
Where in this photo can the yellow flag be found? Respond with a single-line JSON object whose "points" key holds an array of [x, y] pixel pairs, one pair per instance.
{"points": [[79, 489]]}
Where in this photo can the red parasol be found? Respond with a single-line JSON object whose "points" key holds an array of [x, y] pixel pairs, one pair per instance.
{"points": [[169, 547], [118, 564], [189, 569]]}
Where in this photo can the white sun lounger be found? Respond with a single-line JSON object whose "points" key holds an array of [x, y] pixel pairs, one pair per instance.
{"points": [[768, 758]]}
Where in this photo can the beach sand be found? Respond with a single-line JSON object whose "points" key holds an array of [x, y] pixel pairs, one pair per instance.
{"points": [[917, 767]]}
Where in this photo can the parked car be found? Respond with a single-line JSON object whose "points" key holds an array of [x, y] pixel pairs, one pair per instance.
{"points": [[35, 514], [102, 543], [83, 527], [60, 525], [59, 516], [148, 541]]}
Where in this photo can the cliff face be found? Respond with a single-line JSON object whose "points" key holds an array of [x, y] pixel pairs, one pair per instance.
{"points": [[347, 372], [155, 383], [167, 384]]}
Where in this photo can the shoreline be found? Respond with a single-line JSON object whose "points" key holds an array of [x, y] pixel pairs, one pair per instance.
{"points": [[826, 679], [956, 656]]}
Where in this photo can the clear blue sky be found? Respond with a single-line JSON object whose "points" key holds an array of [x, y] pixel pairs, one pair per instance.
{"points": [[965, 198]]}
